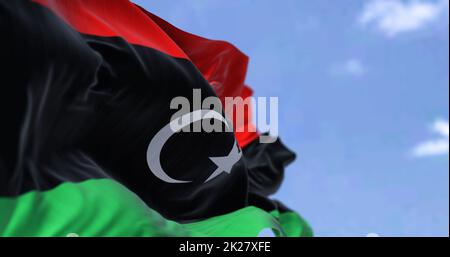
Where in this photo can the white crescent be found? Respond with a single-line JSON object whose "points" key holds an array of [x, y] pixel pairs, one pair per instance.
{"points": [[158, 141]]}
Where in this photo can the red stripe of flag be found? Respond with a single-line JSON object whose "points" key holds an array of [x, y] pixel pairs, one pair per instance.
{"points": [[118, 18]]}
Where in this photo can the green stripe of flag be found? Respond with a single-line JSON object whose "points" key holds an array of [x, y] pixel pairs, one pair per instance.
{"points": [[103, 207]]}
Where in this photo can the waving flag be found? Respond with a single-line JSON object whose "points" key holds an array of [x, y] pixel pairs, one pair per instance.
{"points": [[86, 148]]}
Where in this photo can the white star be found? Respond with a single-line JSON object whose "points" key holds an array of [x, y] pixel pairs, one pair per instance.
{"points": [[225, 163]]}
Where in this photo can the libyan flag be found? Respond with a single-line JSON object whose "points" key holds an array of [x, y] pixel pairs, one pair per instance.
{"points": [[87, 86]]}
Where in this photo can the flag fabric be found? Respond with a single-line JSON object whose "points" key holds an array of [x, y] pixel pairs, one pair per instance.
{"points": [[88, 88]]}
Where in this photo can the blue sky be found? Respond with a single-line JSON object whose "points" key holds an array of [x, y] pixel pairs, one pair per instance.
{"points": [[363, 90]]}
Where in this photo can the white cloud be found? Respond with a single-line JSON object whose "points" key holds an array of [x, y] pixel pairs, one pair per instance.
{"points": [[393, 17], [439, 146], [441, 127], [353, 67]]}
